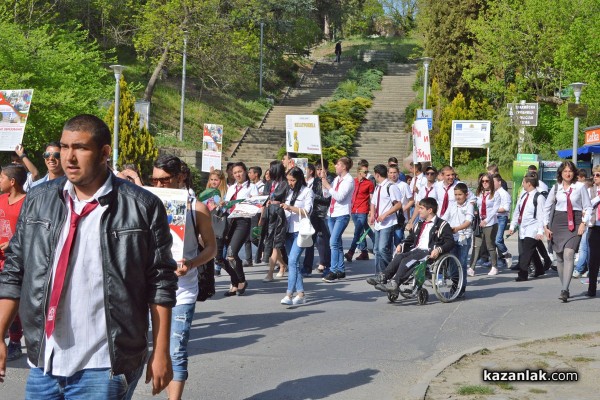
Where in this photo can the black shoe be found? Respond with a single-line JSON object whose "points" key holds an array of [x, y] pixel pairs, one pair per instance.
{"points": [[374, 280], [330, 277], [515, 267], [217, 272], [520, 279], [564, 295], [554, 268], [536, 274], [341, 275], [229, 294], [547, 265], [240, 292], [590, 294]]}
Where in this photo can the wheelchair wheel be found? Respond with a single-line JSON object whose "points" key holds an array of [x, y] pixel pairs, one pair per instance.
{"points": [[423, 296], [408, 289], [392, 297], [447, 278]]}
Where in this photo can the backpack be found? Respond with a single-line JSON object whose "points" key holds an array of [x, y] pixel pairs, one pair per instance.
{"points": [[400, 218]]}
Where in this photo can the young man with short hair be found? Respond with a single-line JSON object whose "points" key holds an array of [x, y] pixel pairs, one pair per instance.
{"points": [[52, 161], [406, 200]]}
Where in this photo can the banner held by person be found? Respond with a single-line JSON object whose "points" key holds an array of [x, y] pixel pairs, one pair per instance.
{"points": [[421, 145], [14, 110], [175, 202], [212, 147], [303, 134]]}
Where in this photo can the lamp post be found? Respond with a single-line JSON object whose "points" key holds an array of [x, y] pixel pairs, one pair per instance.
{"points": [[260, 84], [117, 69], [577, 87], [426, 61], [185, 39]]}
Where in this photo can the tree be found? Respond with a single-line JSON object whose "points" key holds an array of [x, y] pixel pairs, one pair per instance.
{"points": [[64, 69], [402, 12], [136, 145]]}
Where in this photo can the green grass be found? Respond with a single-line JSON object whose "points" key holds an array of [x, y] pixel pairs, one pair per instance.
{"points": [[402, 49], [504, 385], [474, 389], [537, 391], [583, 359]]}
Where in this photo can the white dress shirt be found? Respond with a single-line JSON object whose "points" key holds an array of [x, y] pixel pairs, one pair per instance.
{"points": [[79, 339], [383, 201], [457, 215], [491, 208], [303, 201], [423, 239], [580, 200], [342, 196], [426, 191], [530, 226], [406, 195], [505, 201], [244, 191]]}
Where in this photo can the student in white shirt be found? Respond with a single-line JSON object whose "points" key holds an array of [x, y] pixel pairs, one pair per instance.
{"points": [[384, 205], [460, 216], [503, 216], [528, 217], [338, 216], [426, 190], [406, 198]]}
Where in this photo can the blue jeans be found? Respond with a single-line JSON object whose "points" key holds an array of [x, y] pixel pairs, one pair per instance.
{"points": [[502, 222], [91, 384], [295, 282], [382, 247], [337, 226], [398, 235], [181, 323], [360, 225], [584, 253], [461, 251]]}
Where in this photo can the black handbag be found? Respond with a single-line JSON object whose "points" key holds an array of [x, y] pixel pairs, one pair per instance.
{"points": [[476, 225], [220, 222]]}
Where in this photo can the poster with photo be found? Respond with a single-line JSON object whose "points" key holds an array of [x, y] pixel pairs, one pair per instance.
{"points": [[301, 163], [14, 110], [212, 147], [303, 134], [175, 202]]}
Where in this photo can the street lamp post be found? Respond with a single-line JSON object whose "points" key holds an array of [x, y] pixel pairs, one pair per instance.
{"points": [[577, 87], [117, 69], [185, 40], [260, 84], [426, 61]]}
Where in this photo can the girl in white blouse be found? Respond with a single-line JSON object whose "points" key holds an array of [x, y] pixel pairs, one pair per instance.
{"points": [[298, 205], [488, 204], [567, 211]]}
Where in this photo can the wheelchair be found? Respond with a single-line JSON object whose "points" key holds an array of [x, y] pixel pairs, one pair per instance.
{"points": [[444, 274]]}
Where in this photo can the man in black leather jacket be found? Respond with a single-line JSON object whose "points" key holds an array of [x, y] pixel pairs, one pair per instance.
{"points": [[126, 252]]}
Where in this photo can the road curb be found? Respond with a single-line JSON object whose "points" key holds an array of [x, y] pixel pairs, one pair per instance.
{"points": [[419, 390]]}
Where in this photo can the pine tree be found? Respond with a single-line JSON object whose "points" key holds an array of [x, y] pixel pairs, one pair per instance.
{"points": [[136, 145]]}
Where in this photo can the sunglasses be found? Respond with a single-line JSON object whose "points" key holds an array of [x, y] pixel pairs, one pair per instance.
{"points": [[365, 171], [164, 180], [430, 173], [597, 174], [49, 154], [485, 180]]}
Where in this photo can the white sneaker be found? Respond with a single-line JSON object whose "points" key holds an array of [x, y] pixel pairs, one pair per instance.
{"points": [[576, 274], [585, 274], [470, 272], [298, 300], [287, 300], [493, 271]]}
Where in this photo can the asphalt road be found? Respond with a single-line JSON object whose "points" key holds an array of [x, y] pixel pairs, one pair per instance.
{"points": [[348, 341]]}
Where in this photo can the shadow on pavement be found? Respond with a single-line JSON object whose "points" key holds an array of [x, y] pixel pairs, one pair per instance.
{"points": [[317, 387]]}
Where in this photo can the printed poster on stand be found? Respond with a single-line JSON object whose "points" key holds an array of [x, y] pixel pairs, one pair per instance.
{"points": [[303, 134], [212, 147], [175, 202], [14, 110], [421, 144]]}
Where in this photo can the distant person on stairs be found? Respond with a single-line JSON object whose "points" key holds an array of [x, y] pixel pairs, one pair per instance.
{"points": [[338, 52]]}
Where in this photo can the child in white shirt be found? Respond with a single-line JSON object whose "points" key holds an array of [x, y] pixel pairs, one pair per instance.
{"points": [[460, 216]]}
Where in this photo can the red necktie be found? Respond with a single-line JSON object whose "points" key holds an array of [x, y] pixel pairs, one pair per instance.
{"points": [[423, 224], [63, 263], [339, 178], [355, 195], [427, 191], [484, 206], [522, 209], [377, 206], [570, 219], [237, 190], [446, 200]]}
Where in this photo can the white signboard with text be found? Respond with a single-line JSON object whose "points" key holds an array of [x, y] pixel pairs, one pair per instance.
{"points": [[470, 134], [303, 134], [422, 146], [14, 110]]}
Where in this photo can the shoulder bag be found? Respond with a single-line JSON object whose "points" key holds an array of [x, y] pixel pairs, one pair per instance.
{"points": [[305, 231]]}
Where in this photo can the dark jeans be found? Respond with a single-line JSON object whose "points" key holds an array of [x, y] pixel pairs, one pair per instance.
{"points": [[239, 233], [321, 240], [360, 225], [403, 263], [527, 255], [593, 239]]}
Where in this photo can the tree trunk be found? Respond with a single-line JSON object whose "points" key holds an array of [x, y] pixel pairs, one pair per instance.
{"points": [[152, 82]]}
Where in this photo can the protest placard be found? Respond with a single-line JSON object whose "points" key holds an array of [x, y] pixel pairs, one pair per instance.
{"points": [[14, 110], [421, 144], [212, 147], [303, 134], [175, 202]]}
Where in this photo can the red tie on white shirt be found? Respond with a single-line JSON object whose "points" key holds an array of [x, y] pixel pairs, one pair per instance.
{"points": [[427, 191], [237, 190], [484, 205], [570, 217], [377, 206], [446, 201], [423, 224], [63, 263], [522, 210], [332, 199]]}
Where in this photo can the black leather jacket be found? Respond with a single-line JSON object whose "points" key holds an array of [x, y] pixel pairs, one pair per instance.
{"points": [[320, 203], [137, 265]]}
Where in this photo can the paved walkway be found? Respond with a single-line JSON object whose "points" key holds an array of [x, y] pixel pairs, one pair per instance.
{"points": [[349, 342]]}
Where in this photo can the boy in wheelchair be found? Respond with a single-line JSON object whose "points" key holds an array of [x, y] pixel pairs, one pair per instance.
{"points": [[429, 238]]}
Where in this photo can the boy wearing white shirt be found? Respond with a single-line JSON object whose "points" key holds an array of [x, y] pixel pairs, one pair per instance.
{"points": [[528, 216], [384, 205], [406, 200], [460, 214]]}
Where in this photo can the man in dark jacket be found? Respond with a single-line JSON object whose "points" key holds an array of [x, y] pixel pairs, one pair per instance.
{"points": [[84, 287], [431, 237]]}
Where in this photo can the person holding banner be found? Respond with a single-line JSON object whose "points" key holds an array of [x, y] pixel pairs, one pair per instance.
{"points": [[340, 191], [298, 202], [239, 230], [169, 172], [318, 219], [21, 158]]}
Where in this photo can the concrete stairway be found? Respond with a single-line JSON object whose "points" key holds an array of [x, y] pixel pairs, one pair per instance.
{"points": [[260, 145], [384, 133]]}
